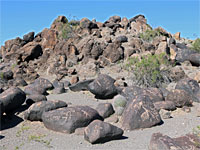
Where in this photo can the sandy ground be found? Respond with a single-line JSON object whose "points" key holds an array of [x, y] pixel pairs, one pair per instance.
{"points": [[28, 135]]}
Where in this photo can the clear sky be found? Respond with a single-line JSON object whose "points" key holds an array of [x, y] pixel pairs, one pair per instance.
{"points": [[20, 17]]}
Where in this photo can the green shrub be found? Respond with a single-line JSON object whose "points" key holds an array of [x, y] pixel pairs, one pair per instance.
{"points": [[196, 45], [147, 71], [68, 30], [149, 35]]}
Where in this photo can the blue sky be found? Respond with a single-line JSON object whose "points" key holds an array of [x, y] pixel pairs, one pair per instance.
{"points": [[20, 17]]}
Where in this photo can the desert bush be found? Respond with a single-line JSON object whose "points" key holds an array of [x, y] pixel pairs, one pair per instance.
{"points": [[196, 45], [148, 71], [149, 35], [68, 29]]}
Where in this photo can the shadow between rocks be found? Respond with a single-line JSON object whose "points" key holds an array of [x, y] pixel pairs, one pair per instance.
{"points": [[1, 137], [108, 140], [9, 121]]}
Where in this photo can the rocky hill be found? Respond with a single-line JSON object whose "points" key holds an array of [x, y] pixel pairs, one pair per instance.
{"points": [[146, 73]]}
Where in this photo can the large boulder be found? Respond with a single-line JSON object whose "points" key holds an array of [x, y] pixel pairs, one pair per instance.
{"points": [[44, 83], [131, 92], [86, 23], [180, 98], [191, 86], [140, 113], [103, 87], [167, 105], [35, 111], [164, 142], [12, 99], [68, 119], [100, 132], [194, 59]]}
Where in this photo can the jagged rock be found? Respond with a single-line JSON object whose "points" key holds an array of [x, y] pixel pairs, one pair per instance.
{"points": [[177, 35], [140, 113], [115, 19], [86, 23], [31, 51], [35, 111], [12, 99], [58, 22], [160, 141], [101, 132], [191, 86], [180, 98], [167, 105], [68, 119], [103, 87], [162, 48], [113, 52], [82, 85], [30, 99], [29, 37], [105, 109]]}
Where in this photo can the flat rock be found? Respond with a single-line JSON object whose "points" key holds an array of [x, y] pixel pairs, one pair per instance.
{"points": [[140, 113], [100, 132], [35, 111], [68, 119]]}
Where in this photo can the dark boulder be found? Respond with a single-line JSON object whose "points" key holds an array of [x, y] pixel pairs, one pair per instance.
{"points": [[103, 87], [140, 113], [68, 119], [167, 105], [58, 87], [29, 37], [194, 59], [191, 86], [35, 111], [163, 142], [183, 55], [44, 83], [32, 89], [86, 23], [105, 109], [180, 98], [82, 85], [12, 98], [7, 75], [101, 132], [132, 92], [181, 46], [30, 99]]}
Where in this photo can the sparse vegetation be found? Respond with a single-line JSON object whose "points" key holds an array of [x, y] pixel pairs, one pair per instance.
{"points": [[147, 70], [39, 138], [149, 35], [196, 131], [22, 130], [196, 45], [1, 75], [68, 30]]}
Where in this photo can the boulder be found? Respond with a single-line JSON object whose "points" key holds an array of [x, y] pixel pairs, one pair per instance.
{"points": [[12, 99], [163, 142], [68, 119], [43, 83], [115, 19], [103, 87], [105, 109], [177, 35], [180, 98], [194, 59], [100, 132], [113, 52], [35, 111], [86, 23], [121, 39], [183, 55], [30, 99], [82, 85], [7, 75], [20, 82], [29, 37], [58, 87], [140, 113], [191, 86], [131, 92], [167, 105], [31, 51]]}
